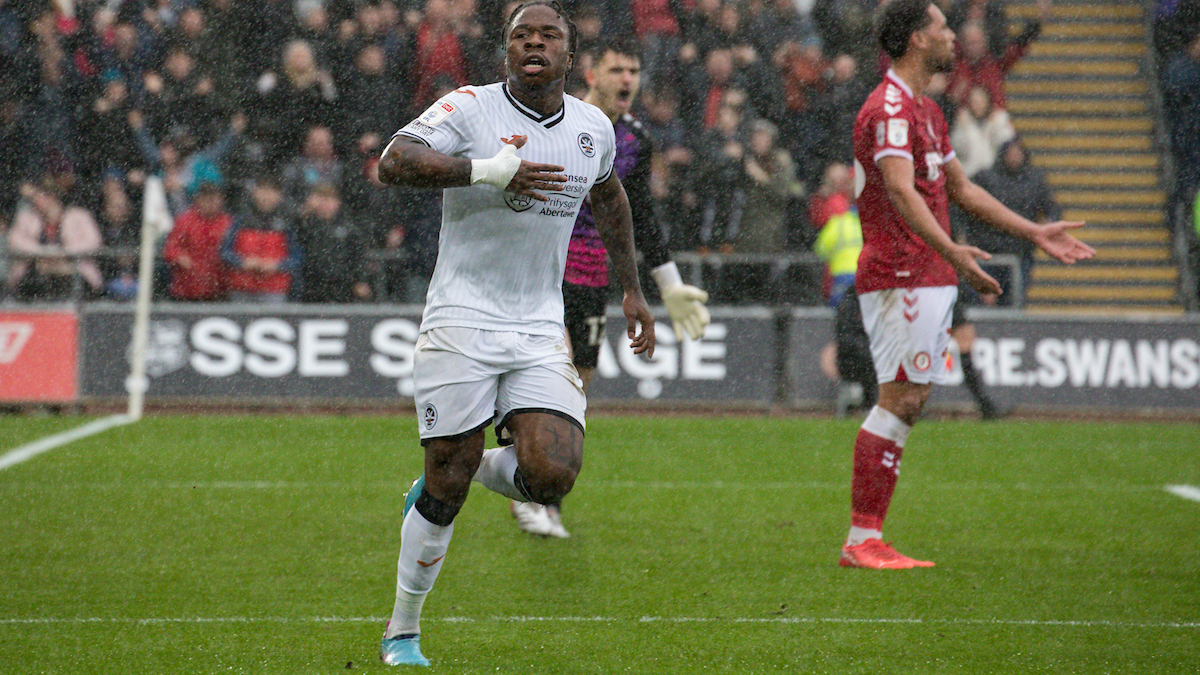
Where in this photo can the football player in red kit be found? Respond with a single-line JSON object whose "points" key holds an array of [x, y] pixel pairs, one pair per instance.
{"points": [[906, 174]]}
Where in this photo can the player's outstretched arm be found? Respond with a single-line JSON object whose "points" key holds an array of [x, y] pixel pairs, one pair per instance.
{"points": [[898, 179], [407, 162], [610, 206], [1053, 238]]}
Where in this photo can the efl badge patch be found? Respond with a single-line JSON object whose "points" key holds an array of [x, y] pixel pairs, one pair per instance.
{"points": [[897, 132], [436, 113]]}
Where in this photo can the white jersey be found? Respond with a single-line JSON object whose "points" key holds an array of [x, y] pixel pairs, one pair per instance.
{"points": [[501, 256]]}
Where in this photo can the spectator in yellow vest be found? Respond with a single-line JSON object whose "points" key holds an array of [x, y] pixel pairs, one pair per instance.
{"points": [[839, 244]]}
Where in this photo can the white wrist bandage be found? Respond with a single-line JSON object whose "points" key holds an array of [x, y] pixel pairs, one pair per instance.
{"points": [[498, 170]]}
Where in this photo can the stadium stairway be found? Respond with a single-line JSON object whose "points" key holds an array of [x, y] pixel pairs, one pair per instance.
{"points": [[1082, 102]]}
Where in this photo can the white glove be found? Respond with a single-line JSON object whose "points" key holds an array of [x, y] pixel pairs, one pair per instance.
{"points": [[684, 303], [497, 171]]}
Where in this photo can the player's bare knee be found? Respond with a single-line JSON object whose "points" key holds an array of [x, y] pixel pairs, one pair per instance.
{"points": [[549, 484], [449, 466], [550, 453], [911, 406], [905, 401]]}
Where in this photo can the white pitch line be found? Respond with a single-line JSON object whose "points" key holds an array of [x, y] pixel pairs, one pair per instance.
{"points": [[1186, 491], [31, 450], [682, 486], [954, 622], [1032, 623]]}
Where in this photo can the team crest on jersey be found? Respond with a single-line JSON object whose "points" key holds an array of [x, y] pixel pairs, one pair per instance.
{"points": [[517, 202], [587, 145], [430, 416], [436, 113]]}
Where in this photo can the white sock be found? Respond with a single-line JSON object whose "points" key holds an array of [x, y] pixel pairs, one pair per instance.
{"points": [[885, 424], [496, 471], [423, 548], [859, 535]]}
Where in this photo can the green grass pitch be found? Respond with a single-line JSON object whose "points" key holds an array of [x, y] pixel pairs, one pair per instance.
{"points": [[701, 544]]}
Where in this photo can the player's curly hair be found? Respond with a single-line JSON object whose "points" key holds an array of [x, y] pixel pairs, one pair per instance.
{"points": [[573, 40], [896, 21]]}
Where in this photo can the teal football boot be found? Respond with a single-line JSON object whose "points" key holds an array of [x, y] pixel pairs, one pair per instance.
{"points": [[410, 497], [402, 650]]}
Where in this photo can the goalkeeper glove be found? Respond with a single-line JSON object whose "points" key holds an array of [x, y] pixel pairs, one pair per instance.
{"points": [[684, 303], [498, 170]]}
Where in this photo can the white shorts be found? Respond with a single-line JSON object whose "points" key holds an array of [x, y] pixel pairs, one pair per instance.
{"points": [[909, 330], [465, 378]]}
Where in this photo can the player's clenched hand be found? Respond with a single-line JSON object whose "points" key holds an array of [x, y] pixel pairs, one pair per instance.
{"points": [[1055, 240], [638, 312], [963, 258]]}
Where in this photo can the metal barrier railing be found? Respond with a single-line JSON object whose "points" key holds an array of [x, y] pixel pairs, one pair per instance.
{"points": [[115, 253], [692, 266], [78, 283], [1016, 275]]}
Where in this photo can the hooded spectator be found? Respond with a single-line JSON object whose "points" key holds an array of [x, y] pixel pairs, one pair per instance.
{"points": [[1021, 187], [193, 248]]}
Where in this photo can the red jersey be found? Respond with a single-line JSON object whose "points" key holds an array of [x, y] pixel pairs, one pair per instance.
{"points": [[892, 123]]}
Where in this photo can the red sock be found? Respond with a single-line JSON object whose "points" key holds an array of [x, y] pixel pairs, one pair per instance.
{"points": [[877, 451]]}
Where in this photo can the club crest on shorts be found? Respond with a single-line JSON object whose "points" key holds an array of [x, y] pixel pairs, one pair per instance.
{"points": [[518, 203], [922, 361], [430, 416], [587, 145]]}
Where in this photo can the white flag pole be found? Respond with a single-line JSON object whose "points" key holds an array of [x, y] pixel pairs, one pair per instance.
{"points": [[155, 220]]}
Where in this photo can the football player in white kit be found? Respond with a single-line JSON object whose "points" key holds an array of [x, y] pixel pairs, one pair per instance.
{"points": [[516, 159]]}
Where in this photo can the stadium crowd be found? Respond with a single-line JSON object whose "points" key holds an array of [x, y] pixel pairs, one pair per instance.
{"points": [[263, 123]]}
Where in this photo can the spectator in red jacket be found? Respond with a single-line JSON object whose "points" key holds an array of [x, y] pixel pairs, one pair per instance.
{"points": [[260, 247], [193, 248], [835, 196], [447, 43], [975, 65]]}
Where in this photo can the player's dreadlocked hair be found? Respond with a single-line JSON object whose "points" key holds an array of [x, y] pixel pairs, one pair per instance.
{"points": [[572, 42], [896, 21]]}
